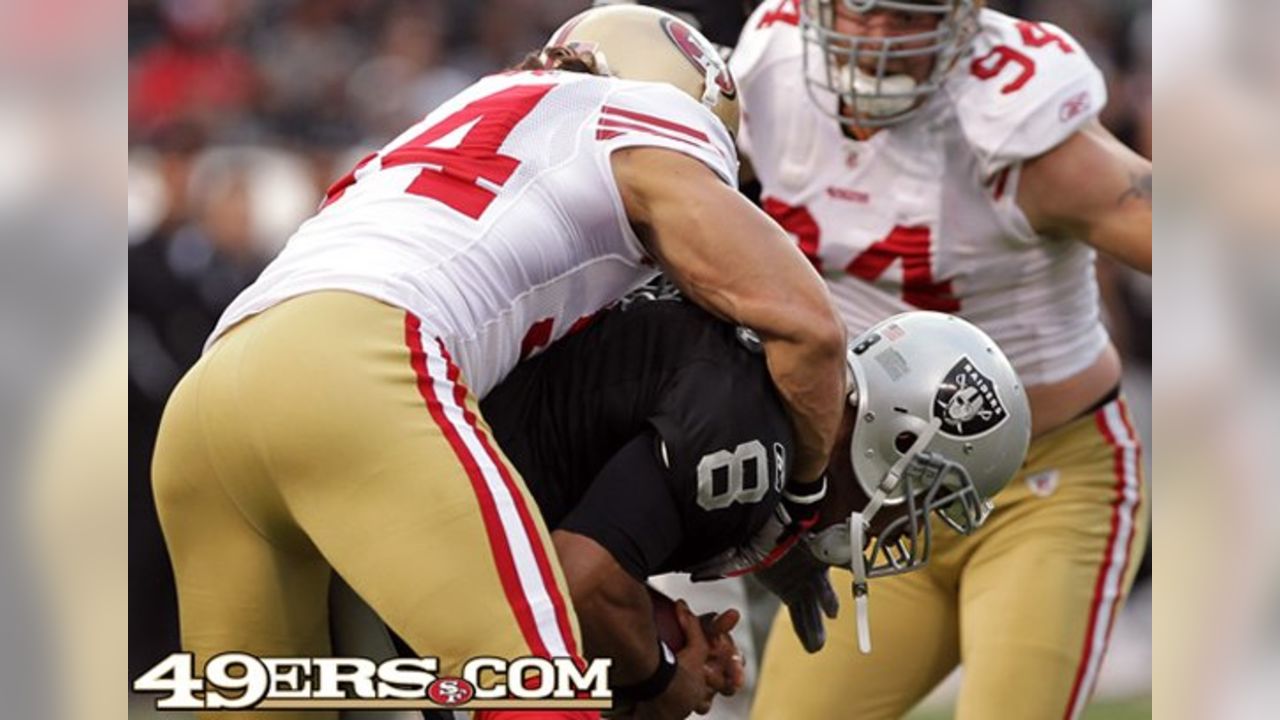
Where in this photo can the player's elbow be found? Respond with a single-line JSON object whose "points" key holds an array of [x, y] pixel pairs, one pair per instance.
{"points": [[818, 327], [591, 572], [829, 332]]}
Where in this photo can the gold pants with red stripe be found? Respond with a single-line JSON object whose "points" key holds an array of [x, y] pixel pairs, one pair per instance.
{"points": [[331, 433], [1026, 603]]}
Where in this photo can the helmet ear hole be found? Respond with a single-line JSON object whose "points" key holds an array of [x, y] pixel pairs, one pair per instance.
{"points": [[903, 442]]}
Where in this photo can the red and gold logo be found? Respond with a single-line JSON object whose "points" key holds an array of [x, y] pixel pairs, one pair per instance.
{"points": [[700, 52]]}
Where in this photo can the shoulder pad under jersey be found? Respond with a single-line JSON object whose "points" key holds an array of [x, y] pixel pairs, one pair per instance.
{"points": [[1026, 87]]}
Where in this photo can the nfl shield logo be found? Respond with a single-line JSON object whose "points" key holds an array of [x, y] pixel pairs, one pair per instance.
{"points": [[967, 402]]}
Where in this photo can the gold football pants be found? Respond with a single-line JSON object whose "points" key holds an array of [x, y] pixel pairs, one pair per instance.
{"points": [[332, 433], [1026, 603]]}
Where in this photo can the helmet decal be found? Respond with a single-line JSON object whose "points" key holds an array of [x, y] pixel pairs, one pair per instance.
{"points": [[565, 30], [967, 402], [702, 55]]}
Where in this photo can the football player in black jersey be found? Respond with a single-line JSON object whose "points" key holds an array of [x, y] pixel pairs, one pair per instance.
{"points": [[653, 441]]}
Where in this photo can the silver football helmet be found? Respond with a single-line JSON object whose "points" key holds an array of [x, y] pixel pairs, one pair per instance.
{"points": [[880, 98], [942, 423]]}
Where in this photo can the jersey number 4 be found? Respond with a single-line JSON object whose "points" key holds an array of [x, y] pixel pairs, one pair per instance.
{"points": [[912, 245], [457, 176], [1034, 35]]}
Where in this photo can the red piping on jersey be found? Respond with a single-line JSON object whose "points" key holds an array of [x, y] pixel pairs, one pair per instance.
{"points": [[778, 550], [664, 124], [1001, 180], [618, 124], [339, 186]]}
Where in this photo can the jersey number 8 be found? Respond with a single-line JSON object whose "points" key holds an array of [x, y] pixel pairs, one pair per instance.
{"points": [[724, 479]]}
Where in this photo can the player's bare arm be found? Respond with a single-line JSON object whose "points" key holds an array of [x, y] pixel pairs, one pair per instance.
{"points": [[1093, 188], [616, 618], [613, 608], [730, 258]]}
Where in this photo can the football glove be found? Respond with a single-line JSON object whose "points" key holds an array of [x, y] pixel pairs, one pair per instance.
{"points": [[800, 581], [791, 519]]}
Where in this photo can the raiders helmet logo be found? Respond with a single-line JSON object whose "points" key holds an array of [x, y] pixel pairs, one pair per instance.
{"points": [[967, 402], [702, 55]]}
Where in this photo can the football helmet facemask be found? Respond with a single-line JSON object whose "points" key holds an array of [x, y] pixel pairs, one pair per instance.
{"points": [[879, 98]]}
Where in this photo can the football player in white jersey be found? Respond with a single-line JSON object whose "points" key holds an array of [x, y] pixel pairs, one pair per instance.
{"points": [[332, 423], [936, 154]]}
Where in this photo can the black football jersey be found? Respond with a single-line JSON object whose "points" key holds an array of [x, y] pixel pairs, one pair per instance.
{"points": [[656, 431]]}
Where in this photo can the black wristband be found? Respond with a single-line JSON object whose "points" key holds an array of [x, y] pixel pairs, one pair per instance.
{"points": [[805, 493], [652, 686]]}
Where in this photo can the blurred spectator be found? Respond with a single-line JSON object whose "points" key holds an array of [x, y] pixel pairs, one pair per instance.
{"points": [[194, 71], [408, 75], [305, 61]]}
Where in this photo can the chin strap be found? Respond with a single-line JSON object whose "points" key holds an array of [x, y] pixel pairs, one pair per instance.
{"points": [[857, 532], [710, 88], [858, 523], [602, 63]]}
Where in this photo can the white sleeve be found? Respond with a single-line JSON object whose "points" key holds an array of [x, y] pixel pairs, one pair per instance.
{"points": [[659, 115], [1026, 88]]}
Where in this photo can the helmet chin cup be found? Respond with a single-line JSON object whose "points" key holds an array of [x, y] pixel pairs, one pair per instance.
{"points": [[878, 97]]}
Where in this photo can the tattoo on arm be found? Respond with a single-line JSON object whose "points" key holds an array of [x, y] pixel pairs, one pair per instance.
{"points": [[1139, 189]]}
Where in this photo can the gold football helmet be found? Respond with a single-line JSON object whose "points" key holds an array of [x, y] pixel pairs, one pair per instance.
{"points": [[634, 42]]}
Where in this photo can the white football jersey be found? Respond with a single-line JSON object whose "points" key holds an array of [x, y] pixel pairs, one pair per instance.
{"points": [[923, 214], [496, 219]]}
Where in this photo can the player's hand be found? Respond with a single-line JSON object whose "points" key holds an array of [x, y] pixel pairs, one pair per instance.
{"points": [[797, 512], [800, 581], [689, 691], [726, 672]]}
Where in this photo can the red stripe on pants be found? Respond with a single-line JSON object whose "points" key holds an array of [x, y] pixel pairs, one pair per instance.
{"points": [[498, 543]]}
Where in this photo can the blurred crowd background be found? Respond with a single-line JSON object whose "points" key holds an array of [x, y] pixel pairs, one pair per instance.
{"points": [[241, 113]]}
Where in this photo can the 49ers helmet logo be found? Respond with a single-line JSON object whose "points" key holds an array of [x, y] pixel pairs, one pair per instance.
{"points": [[700, 53], [450, 691], [967, 402]]}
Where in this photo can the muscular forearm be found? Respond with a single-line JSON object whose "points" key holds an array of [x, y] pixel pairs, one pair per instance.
{"points": [[811, 380], [617, 623], [733, 260], [1092, 188], [1125, 232], [613, 608]]}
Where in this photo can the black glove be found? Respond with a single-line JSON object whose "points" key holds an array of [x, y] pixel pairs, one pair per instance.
{"points": [[800, 581], [792, 517]]}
